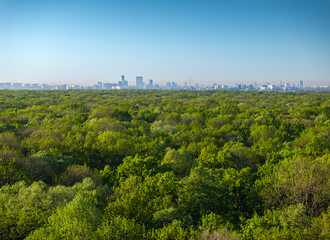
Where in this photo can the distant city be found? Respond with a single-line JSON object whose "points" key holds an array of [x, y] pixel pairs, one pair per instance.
{"points": [[149, 85]]}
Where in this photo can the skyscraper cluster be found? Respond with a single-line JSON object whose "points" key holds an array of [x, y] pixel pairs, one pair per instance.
{"points": [[140, 84]]}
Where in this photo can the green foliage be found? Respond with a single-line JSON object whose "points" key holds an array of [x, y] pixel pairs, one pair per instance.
{"points": [[108, 176], [113, 146], [47, 140], [139, 198], [222, 233], [121, 228], [212, 221], [24, 208], [174, 164], [121, 114], [180, 161], [8, 140], [262, 132], [161, 128], [173, 231], [240, 184], [6, 127], [289, 223], [245, 157], [208, 157], [58, 164], [204, 191], [173, 118], [11, 172], [167, 216], [300, 180], [320, 228], [227, 159], [74, 174], [138, 166], [77, 220], [43, 166]]}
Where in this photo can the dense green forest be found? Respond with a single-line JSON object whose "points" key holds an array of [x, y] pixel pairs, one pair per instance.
{"points": [[164, 165]]}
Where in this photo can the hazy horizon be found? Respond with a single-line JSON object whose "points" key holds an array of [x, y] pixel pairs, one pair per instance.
{"points": [[222, 42]]}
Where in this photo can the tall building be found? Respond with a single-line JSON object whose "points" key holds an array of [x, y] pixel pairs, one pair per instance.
{"points": [[139, 83], [99, 85], [150, 85], [107, 85], [301, 84], [123, 84], [17, 85]]}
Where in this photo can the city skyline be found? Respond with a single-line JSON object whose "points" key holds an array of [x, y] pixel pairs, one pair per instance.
{"points": [[83, 42], [150, 85], [132, 82]]}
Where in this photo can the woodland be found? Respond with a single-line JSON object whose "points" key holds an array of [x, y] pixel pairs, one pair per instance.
{"points": [[139, 164]]}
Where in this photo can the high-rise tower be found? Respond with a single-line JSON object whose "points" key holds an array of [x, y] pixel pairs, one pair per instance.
{"points": [[139, 82], [123, 84]]}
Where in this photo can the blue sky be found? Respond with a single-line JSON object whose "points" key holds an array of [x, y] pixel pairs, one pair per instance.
{"points": [[230, 41]]}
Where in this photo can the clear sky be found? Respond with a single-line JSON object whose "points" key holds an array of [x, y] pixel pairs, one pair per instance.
{"points": [[229, 41]]}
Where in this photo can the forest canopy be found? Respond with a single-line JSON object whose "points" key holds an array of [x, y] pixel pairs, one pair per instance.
{"points": [[130, 164]]}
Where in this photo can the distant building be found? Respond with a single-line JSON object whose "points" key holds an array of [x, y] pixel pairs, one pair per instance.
{"points": [[107, 86], [99, 85], [27, 85], [123, 84], [264, 87], [271, 86], [174, 85], [139, 82], [61, 87], [150, 85], [6, 85], [17, 85], [46, 86]]}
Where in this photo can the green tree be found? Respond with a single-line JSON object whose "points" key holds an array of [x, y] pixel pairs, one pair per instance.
{"points": [[138, 166], [25, 208], [300, 180], [203, 192], [11, 172], [262, 132], [139, 198], [180, 161], [173, 231], [74, 174], [79, 219], [121, 228], [289, 223]]}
